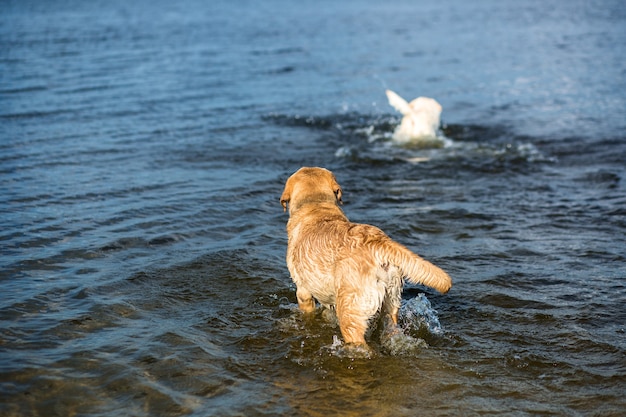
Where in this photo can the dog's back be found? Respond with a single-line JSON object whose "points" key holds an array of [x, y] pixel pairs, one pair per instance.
{"points": [[331, 238], [323, 240]]}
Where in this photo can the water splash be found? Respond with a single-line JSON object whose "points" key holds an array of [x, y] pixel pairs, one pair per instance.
{"points": [[417, 320], [401, 344], [418, 316], [417, 323], [339, 349], [360, 137]]}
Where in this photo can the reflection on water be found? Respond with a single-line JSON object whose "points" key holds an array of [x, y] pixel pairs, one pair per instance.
{"points": [[144, 148]]}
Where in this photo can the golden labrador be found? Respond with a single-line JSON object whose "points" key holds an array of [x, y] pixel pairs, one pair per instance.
{"points": [[354, 268]]}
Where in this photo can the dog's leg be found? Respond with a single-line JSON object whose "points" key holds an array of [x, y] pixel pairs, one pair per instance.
{"points": [[393, 314], [353, 322], [393, 292], [305, 300], [391, 305], [353, 329]]}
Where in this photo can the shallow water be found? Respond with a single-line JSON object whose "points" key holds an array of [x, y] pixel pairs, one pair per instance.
{"points": [[143, 151]]}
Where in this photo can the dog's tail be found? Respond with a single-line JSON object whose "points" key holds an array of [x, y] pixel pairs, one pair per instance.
{"points": [[398, 103], [413, 267]]}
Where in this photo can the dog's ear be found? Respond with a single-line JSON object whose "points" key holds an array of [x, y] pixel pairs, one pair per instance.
{"points": [[337, 190], [283, 202], [284, 199]]}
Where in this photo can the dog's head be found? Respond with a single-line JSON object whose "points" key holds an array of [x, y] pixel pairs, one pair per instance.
{"points": [[310, 185]]}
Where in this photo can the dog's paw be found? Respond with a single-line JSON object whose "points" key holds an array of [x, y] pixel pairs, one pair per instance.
{"points": [[342, 350]]}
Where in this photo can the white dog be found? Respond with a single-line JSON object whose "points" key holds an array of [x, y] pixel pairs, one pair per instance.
{"points": [[420, 121]]}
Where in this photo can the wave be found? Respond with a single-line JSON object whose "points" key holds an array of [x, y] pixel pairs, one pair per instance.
{"points": [[368, 139]]}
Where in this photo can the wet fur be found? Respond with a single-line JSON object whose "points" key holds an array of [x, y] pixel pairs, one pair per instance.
{"points": [[354, 268], [420, 118]]}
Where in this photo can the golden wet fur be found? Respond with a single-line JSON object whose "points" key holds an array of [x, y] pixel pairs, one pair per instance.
{"points": [[354, 268]]}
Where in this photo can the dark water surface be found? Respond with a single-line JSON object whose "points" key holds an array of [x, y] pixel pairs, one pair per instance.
{"points": [[143, 150]]}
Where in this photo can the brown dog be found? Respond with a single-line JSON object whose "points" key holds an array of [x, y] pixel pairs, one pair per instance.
{"points": [[355, 268]]}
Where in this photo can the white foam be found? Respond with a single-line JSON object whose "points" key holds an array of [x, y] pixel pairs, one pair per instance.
{"points": [[417, 314]]}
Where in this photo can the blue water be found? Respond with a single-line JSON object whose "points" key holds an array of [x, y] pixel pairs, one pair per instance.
{"points": [[143, 150]]}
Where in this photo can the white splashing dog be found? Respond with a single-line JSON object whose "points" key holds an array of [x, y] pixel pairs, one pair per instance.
{"points": [[420, 121]]}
